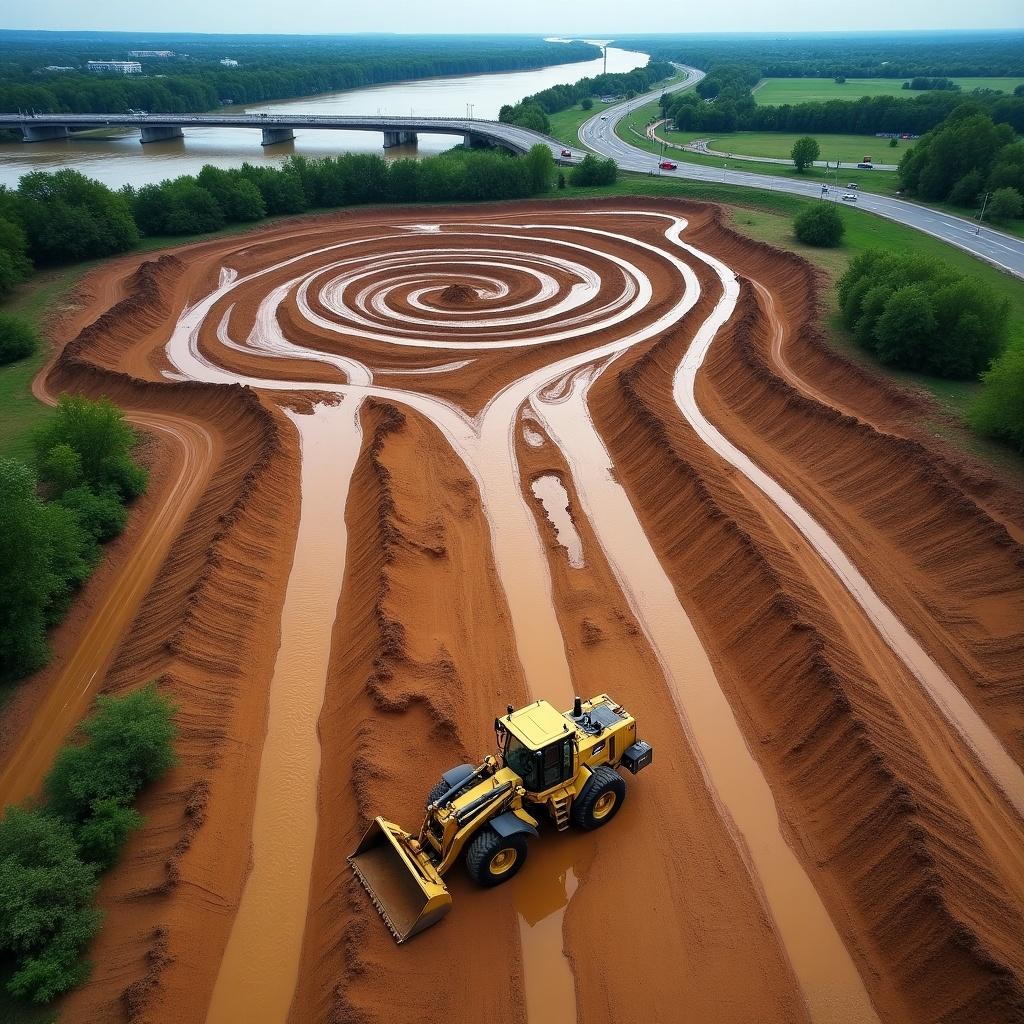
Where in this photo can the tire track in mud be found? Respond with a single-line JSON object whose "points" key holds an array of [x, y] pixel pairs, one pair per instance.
{"points": [[334, 320]]}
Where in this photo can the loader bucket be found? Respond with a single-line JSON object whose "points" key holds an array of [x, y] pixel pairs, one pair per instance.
{"points": [[404, 887]]}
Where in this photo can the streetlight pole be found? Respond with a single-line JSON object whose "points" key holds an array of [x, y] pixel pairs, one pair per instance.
{"points": [[981, 216]]}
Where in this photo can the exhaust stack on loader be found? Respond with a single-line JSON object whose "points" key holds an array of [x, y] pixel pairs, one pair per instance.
{"points": [[563, 765]]}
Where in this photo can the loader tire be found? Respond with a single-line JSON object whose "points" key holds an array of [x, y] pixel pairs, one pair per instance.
{"points": [[600, 800], [492, 859]]}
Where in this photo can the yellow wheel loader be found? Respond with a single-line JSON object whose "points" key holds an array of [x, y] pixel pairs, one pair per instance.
{"points": [[564, 765]]}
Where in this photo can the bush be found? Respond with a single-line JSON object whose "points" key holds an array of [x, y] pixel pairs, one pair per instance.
{"points": [[101, 514], [819, 225], [128, 744], [14, 262], [49, 857], [999, 409], [179, 207], [45, 891], [592, 170], [98, 433], [586, 103], [17, 339], [44, 553], [915, 313], [1006, 204]]}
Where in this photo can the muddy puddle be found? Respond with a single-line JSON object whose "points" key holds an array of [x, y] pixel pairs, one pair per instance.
{"points": [[551, 493]]}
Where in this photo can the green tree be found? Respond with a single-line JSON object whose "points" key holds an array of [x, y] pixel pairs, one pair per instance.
{"points": [[103, 440], [586, 103], [129, 743], [17, 339], [804, 152], [819, 225], [43, 555], [999, 409], [540, 166], [14, 262], [68, 217], [966, 191], [592, 170], [101, 514], [1006, 204], [906, 326], [45, 917], [106, 830]]}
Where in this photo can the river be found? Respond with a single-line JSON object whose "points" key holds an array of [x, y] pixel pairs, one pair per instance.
{"points": [[120, 159]]}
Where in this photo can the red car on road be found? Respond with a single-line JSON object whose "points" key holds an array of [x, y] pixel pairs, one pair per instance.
{"points": [[667, 165], [566, 152]]}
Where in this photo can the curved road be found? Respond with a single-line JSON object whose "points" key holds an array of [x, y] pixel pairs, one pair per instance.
{"points": [[1004, 251]]}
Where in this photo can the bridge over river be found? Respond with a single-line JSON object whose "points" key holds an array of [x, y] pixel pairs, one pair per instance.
{"points": [[275, 128]]}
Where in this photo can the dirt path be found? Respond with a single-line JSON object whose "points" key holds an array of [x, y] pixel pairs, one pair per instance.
{"points": [[559, 481]]}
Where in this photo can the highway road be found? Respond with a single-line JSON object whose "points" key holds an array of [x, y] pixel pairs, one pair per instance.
{"points": [[1000, 249]]}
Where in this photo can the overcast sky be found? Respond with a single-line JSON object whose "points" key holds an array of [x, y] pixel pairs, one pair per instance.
{"points": [[545, 16]]}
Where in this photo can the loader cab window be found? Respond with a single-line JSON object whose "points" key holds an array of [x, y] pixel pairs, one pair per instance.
{"points": [[540, 769]]}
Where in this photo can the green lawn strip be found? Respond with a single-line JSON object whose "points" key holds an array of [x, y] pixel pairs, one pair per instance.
{"points": [[20, 414], [777, 91], [565, 125], [845, 148]]}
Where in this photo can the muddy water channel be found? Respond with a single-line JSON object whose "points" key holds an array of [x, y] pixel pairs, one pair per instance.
{"points": [[545, 310], [119, 159]]}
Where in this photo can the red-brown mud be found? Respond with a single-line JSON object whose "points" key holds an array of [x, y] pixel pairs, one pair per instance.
{"points": [[911, 850]]}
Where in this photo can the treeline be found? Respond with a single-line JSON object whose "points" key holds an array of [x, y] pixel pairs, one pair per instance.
{"points": [[52, 854], [532, 111], [732, 108], [967, 156], [860, 55], [63, 217], [915, 313], [280, 68], [54, 520], [922, 84]]}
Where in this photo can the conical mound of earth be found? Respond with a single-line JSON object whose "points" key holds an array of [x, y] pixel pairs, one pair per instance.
{"points": [[458, 295]]}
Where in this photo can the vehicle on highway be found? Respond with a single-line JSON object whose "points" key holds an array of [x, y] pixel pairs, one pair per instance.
{"points": [[852, 185], [865, 167], [849, 197], [667, 165], [566, 152]]}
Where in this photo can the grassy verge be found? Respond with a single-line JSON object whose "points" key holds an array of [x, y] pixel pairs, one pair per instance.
{"points": [[20, 414], [776, 91], [565, 125], [845, 148], [767, 216]]}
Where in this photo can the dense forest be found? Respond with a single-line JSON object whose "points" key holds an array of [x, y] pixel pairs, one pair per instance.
{"points": [[269, 67], [849, 55]]}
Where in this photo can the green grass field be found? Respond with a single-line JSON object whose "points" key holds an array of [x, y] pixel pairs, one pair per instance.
{"points": [[775, 91], [565, 125], [845, 148]]}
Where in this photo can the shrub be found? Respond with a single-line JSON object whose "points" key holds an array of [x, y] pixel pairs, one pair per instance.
{"points": [[915, 313], [586, 103], [98, 433], [1006, 204], [592, 170], [128, 744], [819, 225], [101, 514], [45, 890], [17, 339], [44, 553], [999, 409]]}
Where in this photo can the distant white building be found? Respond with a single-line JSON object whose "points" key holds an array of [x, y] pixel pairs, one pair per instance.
{"points": [[57, 67], [229, 63], [163, 54], [115, 67]]}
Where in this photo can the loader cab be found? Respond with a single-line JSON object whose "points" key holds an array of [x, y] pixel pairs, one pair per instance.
{"points": [[538, 745]]}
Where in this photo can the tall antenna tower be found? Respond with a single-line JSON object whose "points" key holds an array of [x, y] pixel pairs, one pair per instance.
{"points": [[605, 51]]}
